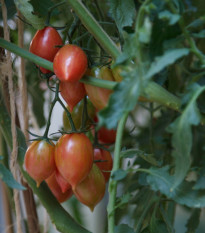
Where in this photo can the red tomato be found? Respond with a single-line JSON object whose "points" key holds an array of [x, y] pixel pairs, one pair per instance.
{"points": [[72, 93], [74, 157], [92, 189], [106, 135], [70, 63], [56, 190], [105, 167], [64, 185], [99, 96], [44, 44], [39, 160]]}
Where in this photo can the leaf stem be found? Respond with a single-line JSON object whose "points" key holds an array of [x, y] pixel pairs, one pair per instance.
{"points": [[94, 28], [113, 183]]}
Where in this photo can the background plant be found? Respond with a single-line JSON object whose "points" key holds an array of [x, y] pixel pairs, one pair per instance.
{"points": [[158, 47]]}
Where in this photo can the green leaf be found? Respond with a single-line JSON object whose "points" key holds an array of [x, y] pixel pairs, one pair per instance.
{"points": [[135, 152], [158, 226], [123, 100], [182, 136], [42, 7], [159, 179], [200, 34], [119, 174], [123, 12], [200, 183], [122, 228], [167, 15], [193, 221], [168, 58], [27, 11], [8, 178]]}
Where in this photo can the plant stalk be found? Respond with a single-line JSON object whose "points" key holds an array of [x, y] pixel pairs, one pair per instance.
{"points": [[116, 165]]}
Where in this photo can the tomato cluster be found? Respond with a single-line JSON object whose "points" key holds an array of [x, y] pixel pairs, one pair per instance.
{"points": [[72, 165], [68, 167]]}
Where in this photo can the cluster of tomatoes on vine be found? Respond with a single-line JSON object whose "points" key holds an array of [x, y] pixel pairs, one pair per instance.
{"points": [[73, 165]]}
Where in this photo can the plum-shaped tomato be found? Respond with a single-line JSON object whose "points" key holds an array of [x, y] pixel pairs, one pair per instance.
{"points": [[64, 185], [106, 165], [70, 63], [72, 93], [56, 189], [99, 96], [92, 189], [74, 157], [39, 160], [44, 44]]}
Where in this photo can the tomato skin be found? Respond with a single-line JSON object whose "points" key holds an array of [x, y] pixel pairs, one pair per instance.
{"points": [[64, 185], [56, 189], [77, 115], [74, 157], [100, 154], [72, 93], [99, 96], [70, 63], [92, 189], [43, 44], [105, 135], [39, 160]]}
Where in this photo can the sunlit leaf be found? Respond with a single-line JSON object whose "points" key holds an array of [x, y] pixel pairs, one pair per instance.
{"points": [[27, 11], [123, 12]]}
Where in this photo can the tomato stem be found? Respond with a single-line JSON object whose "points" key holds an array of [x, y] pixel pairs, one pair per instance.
{"points": [[153, 91], [94, 28], [116, 165]]}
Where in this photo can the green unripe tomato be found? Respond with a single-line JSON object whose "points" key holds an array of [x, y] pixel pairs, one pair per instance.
{"points": [[77, 115]]}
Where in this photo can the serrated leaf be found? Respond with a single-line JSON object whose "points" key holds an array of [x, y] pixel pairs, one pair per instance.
{"points": [[168, 58], [123, 100], [42, 7], [27, 10], [119, 174], [182, 137], [122, 228], [123, 12], [200, 183], [167, 15], [200, 34], [193, 221], [8, 178], [159, 179], [135, 152]]}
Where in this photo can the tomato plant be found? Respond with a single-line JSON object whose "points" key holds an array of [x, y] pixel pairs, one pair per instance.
{"points": [[74, 157], [45, 44], [39, 160], [92, 189], [56, 189], [70, 63], [142, 63], [99, 96], [103, 161]]}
